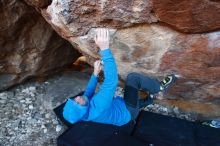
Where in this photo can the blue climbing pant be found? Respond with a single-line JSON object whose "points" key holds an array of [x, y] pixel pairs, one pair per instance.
{"points": [[136, 82]]}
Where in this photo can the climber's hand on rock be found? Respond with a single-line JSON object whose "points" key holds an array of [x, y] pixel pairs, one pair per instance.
{"points": [[102, 38], [97, 67]]}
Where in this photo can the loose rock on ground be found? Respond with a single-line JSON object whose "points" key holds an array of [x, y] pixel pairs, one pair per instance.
{"points": [[27, 117]]}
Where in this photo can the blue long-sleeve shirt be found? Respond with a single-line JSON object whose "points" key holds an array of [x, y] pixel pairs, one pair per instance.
{"points": [[103, 107]]}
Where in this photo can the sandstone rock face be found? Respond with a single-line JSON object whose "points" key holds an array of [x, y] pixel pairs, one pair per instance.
{"points": [[152, 49], [189, 16], [157, 50], [28, 45], [77, 17], [74, 16]]}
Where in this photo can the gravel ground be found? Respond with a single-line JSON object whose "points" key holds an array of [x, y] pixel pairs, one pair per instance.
{"points": [[27, 118]]}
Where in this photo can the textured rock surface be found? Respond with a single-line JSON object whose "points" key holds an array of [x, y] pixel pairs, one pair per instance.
{"points": [[190, 16], [201, 111], [27, 117], [152, 49], [76, 17], [38, 3], [157, 50], [28, 45], [73, 16]]}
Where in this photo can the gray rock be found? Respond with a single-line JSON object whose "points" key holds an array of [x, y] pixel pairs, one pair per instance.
{"points": [[20, 97], [22, 101], [16, 105], [31, 107], [28, 101], [55, 122], [43, 126], [37, 116], [2, 132], [47, 115], [58, 128], [3, 96], [45, 130], [33, 121], [176, 110], [2, 101]]}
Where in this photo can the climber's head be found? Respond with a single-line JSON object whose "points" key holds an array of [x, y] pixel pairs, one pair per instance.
{"points": [[74, 110]]}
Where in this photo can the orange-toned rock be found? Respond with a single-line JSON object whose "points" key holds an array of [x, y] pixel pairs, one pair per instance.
{"points": [[191, 16], [156, 50], [151, 49], [28, 45], [76, 18], [200, 111], [197, 60]]}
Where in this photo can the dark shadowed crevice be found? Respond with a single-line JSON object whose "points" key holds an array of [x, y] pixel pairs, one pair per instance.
{"points": [[39, 3]]}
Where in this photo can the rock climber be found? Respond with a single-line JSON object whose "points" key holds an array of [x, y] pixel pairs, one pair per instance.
{"points": [[103, 107]]}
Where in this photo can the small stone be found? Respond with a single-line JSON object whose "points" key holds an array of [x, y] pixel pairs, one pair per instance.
{"points": [[2, 101], [28, 99], [45, 130], [41, 112], [32, 94], [28, 102], [33, 121], [37, 116], [23, 105], [176, 110], [3, 96], [12, 138], [58, 128], [10, 95], [28, 130], [55, 122], [47, 115], [20, 97], [23, 132], [31, 107], [150, 106], [32, 88], [43, 126], [22, 101], [25, 91], [16, 105]]}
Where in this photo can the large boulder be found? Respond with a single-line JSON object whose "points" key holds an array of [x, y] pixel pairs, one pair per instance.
{"points": [[157, 50], [28, 45], [76, 18], [187, 16], [152, 49]]}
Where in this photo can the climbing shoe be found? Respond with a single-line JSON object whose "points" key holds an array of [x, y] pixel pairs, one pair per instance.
{"points": [[167, 82]]}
